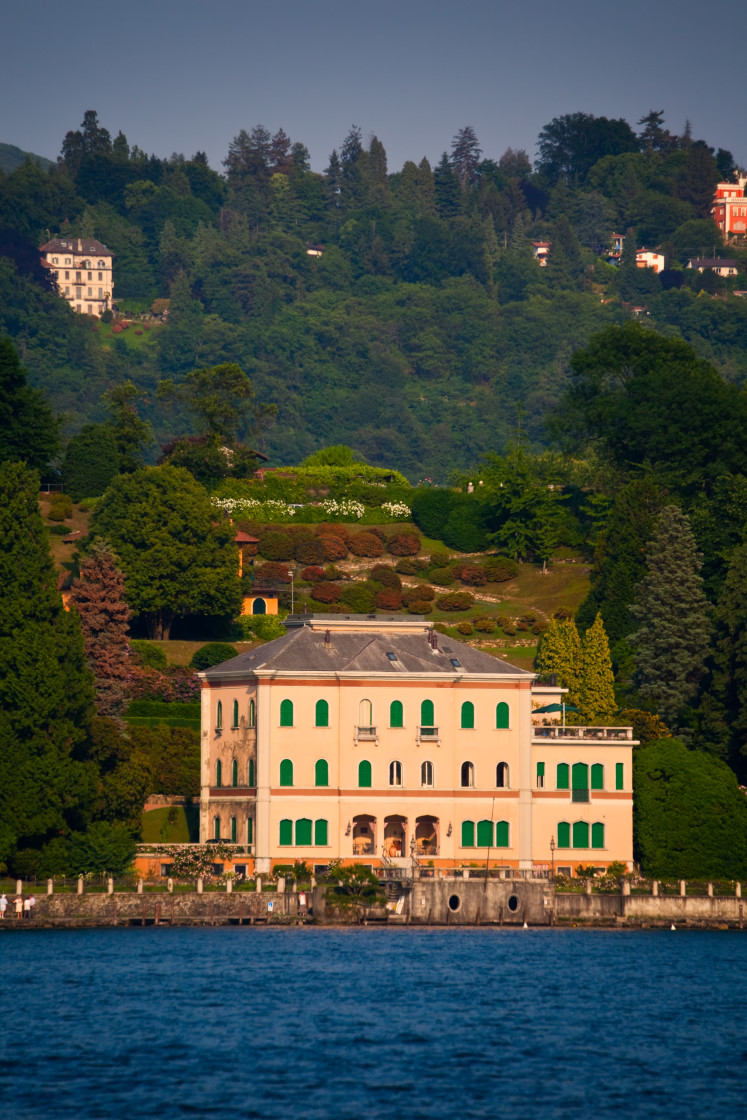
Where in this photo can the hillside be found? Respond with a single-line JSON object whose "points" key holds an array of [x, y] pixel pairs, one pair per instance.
{"points": [[12, 158]]}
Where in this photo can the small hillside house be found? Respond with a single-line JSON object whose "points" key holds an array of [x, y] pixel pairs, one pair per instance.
{"points": [[82, 270]]}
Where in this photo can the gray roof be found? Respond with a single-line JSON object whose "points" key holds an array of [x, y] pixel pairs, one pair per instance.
{"points": [[305, 650], [87, 245]]}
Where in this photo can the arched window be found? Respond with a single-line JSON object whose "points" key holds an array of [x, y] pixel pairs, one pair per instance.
{"points": [[259, 606], [322, 713], [580, 834], [321, 773], [286, 772], [216, 828], [579, 782], [364, 774], [234, 773], [426, 773], [219, 773], [303, 833], [365, 714], [564, 834], [249, 830], [597, 835], [501, 835], [252, 713], [501, 716], [485, 834], [219, 716], [597, 776], [235, 720], [468, 774], [250, 773], [320, 834], [233, 830], [468, 714], [561, 780], [501, 775], [395, 773], [427, 717], [286, 832], [468, 834], [286, 713], [396, 714]]}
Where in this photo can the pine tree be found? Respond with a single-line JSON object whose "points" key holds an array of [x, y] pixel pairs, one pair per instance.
{"points": [[446, 189], [724, 708], [596, 692], [559, 654], [672, 642], [465, 155], [131, 433], [98, 597]]}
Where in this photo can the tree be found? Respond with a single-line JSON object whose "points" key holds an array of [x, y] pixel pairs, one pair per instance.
{"points": [[446, 188], [131, 433], [46, 691], [724, 707], [570, 145], [97, 595], [559, 655], [596, 693], [28, 430], [91, 462], [672, 642], [465, 155], [653, 136], [219, 398], [160, 523]]}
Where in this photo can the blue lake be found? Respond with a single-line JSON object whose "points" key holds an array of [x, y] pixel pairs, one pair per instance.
{"points": [[372, 1023]]}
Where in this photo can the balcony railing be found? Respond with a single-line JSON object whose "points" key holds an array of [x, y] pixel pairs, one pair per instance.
{"points": [[603, 734], [579, 795], [365, 734], [428, 734]]}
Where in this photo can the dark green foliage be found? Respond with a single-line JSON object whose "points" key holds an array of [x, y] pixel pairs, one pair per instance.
{"points": [[386, 576], [102, 847], [690, 816], [28, 430], [499, 569], [465, 527], [91, 462], [275, 545], [430, 510], [212, 654], [570, 145], [171, 756], [360, 598], [145, 653], [455, 601], [724, 708], [60, 508]]}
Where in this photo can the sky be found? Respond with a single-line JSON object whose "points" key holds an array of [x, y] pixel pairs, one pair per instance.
{"points": [[187, 75]]}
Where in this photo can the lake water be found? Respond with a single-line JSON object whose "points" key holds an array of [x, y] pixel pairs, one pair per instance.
{"points": [[372, 1023]]}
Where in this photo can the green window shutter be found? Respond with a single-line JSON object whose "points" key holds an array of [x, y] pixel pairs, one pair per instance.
{"points": [[501, 834], [235, 722], [252, 714], [485, 834], [219, 774], [580, 834], [619, 776], [233, 830], [468, 834], [219, 715], [286, 832], [321, 773], [396, 714], [468, 714], [501, 716], [249, 830], [322, 714], [540, 774], [234, 773], [564, 834], [286, 713], [597, 835], [364, 774], [320, 834], [597, 776], [216, 828], [286, 772], [580, 776], [303, 833], [561, 781], [251, 772], [426, 714]]}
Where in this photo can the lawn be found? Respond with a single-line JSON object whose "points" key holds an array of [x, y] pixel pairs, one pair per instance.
{"points": [[171, 825]]}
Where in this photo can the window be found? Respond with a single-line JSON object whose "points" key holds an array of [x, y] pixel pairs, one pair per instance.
{"points": [[286, 832], [218, 774], [286, 713], [468, 834], [321, 773], [501, 716], [580, 834], [619, 776], [54, 260], [90, 277], [468, 715], [365, 714], [67, 275], [322, 714], [67, 290], [77, 278], [252, 714], [259, 606], [395, 773], [561, 780], [286, 772], [250, 773], [101, 277], [216, 828], [392, 656], [426, 774], [426, 714], [320, 833], [233, 830], [501, 835], [303, 833], [455, 662], [501, 775], [90, 309], [364, 774], [90, 290], [219, 716], [249, 830], [597, 835], [101, 293], [579, 782], [68, 260], [101, 264], [485, 834], [234, 773], [564, 834], [540, 775], [597, 776], [396, 714], [468, 774], [235, 720]]}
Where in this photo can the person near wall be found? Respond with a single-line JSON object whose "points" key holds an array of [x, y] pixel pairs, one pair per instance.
{"points": [[3, 907], [19, 907]]}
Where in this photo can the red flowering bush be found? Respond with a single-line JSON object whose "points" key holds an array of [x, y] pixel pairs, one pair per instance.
{"points": [[403, 544], [472, 574], [334, 548], [138, 332], [326, 592], [365, 544], [313, 573], [175, 683], [388, 600], [274, 571]]}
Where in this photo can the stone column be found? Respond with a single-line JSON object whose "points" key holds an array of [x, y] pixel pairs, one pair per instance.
{"points": [[170, 886], [625, 887], [738, 890], [588, 886], [520, 703], [258, 884], [710, 890], [19, 886], [50, 886], [262, 838], [683, 888], [110, 885], [655, 888], [206, 762], [281, 884], [199, 885], [80, 884], [229, 886], [140, 886]]}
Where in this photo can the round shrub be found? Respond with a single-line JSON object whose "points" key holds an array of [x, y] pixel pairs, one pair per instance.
{"points": [[472, 574], [465, 628], [501, 568], [334, 548], [439, 559], [456, 601], [421, 591], [59, 530], [313, 574], [333, 529], [419, 606], [386, 576], [388, 600], [310, 551], [540, 626], [61, 508], [431, 509], [407, 567], [213, 653], [365, 544], [331, 572], [485, 625], [403, 544], [273, 571], [359, 597], [326, 592], [143, 653], [138, 332], [465, 528], [274, 545], [442, 576]]}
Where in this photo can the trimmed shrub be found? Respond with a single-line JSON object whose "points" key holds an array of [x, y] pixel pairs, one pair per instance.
{"points": [[540, 626], [365, 544], [456, 601], [59, 530], [472, 574], [419, 606], [403, 544], [431, 509], [334, 548], [359, 597], [333, 529], [501, 568], [388, 600], [332, 573], [465, 528], [310, 551], [313, 574], [485, 625], [407, 567], [326, 592], [377, 532], [442, 576], [274, 545], [421, 591], [386, 576], [465, 628], [213, 653], [61, 508], [439, 559], [144, 653], [273, 571]]}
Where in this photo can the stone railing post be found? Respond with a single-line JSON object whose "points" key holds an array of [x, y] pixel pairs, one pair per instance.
{"points": [[140, 886], [294, 888], [19, 886], [710, 890], [170, 886], [50, 886], [683, 888], [465, 873], [281, 884], [738, 890], [80, 884], [655, 888], [587, 886], [313, 882], [110, 885], [199, 885], [625, 887], [258, 884]]}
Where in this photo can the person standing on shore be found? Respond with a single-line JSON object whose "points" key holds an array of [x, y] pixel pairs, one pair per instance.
{"points": [[19, 907], [3, 906], [27, 907], [32, 904]]}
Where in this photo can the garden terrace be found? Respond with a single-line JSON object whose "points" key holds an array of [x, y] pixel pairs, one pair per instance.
{"points": [[608, 734]]}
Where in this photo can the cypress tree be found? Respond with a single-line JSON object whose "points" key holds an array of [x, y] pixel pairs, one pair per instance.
{"points": [[597, 687], [672, 642], [559, 653]]}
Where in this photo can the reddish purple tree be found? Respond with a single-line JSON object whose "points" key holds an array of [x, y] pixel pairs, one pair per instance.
{"points": [[98, 597]]}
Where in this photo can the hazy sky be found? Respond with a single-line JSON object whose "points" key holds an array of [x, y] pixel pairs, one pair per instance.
{"points": [[183, 75]]}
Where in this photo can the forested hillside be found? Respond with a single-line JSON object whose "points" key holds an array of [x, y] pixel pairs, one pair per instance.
{"points": [[401, 313]]}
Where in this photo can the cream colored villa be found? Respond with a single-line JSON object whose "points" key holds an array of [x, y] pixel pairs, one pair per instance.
{"points": [[382, 741], [82, 269]]}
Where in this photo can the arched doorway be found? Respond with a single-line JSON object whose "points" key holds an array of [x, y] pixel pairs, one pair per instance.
{"points": [[395, 836], [364, 835], [259, 606], [426, 836]]}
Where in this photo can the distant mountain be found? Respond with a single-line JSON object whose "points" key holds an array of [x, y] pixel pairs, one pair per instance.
{"points": [[12, 157]]}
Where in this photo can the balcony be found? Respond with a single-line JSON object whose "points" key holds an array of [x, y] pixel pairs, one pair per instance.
{"points": [[366, 735], [579, 795], [584, 734], [428, 735]]}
